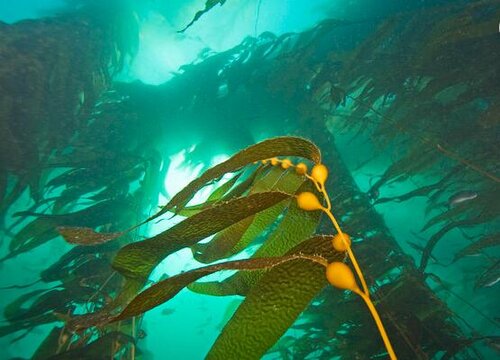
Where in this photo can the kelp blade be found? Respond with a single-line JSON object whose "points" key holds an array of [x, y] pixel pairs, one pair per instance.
{"points": [[280, 146], [238, 236], [296, 226], [138, 259], [274, 303], [165, 290]]}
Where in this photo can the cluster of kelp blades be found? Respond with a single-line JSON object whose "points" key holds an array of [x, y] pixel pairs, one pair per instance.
{"points": [[443, 63], [54, 70], [109, 155], [238, 212]]}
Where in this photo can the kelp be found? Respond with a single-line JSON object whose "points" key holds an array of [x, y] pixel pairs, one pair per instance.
{"points": [[274, 72], [238, 236], [488, 277], [267, 320], [65, 82], [285, 146], [136, 261], [293, 228], [105, 346], [209, 4], [478, 246], [45, 226], [263, 317]]}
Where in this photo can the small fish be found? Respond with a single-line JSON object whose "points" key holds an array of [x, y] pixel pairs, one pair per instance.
{"points": [[461, 197], [490, 277], [492, 282], [141, 334], [494, 344], [167, 311]]}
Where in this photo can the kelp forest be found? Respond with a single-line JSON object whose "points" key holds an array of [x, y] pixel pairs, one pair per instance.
{"points": [[361, 183]]}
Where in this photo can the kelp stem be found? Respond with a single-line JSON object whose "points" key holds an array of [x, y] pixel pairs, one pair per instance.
{"points": [[349, 252], [365, 294], [380, 326]]}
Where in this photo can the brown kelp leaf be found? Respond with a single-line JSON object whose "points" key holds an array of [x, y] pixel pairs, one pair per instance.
{"points": [[44, 227], [209, 4], [474, 248], [138, 259], [85, 236], [238, 236], [296, 226], [219, 192], [279, 146], [103, 347], [165, 290], [273, 303]]}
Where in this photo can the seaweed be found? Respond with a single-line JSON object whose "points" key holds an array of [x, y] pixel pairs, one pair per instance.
{"points": [[387, 87], [209, 4]]}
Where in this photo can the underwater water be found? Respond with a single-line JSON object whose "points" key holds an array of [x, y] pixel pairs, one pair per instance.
{"points": [[108, 110]]}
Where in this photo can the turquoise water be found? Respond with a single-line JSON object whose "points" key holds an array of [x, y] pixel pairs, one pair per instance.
{"points": [[141, 109]]}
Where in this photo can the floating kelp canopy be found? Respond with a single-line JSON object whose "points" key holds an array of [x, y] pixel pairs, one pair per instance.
{"points": [[424, 83]]}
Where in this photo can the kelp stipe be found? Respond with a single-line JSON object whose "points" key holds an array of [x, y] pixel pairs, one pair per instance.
{"points": [[337, 273]]}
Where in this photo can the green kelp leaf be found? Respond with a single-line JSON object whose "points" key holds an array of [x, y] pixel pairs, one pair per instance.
{"points": [[165, 290], [35, 228], [209, 4], [16, 307], [218, 193], [222, 242], [476, 247], [450, 214], [296, 226], [49, 301], [238, 236], [27, 324], [436, 237], [138, 259], [189, 211], [273, 303], [280, 146], [70, 260], [103, 347], [49, 345]]}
